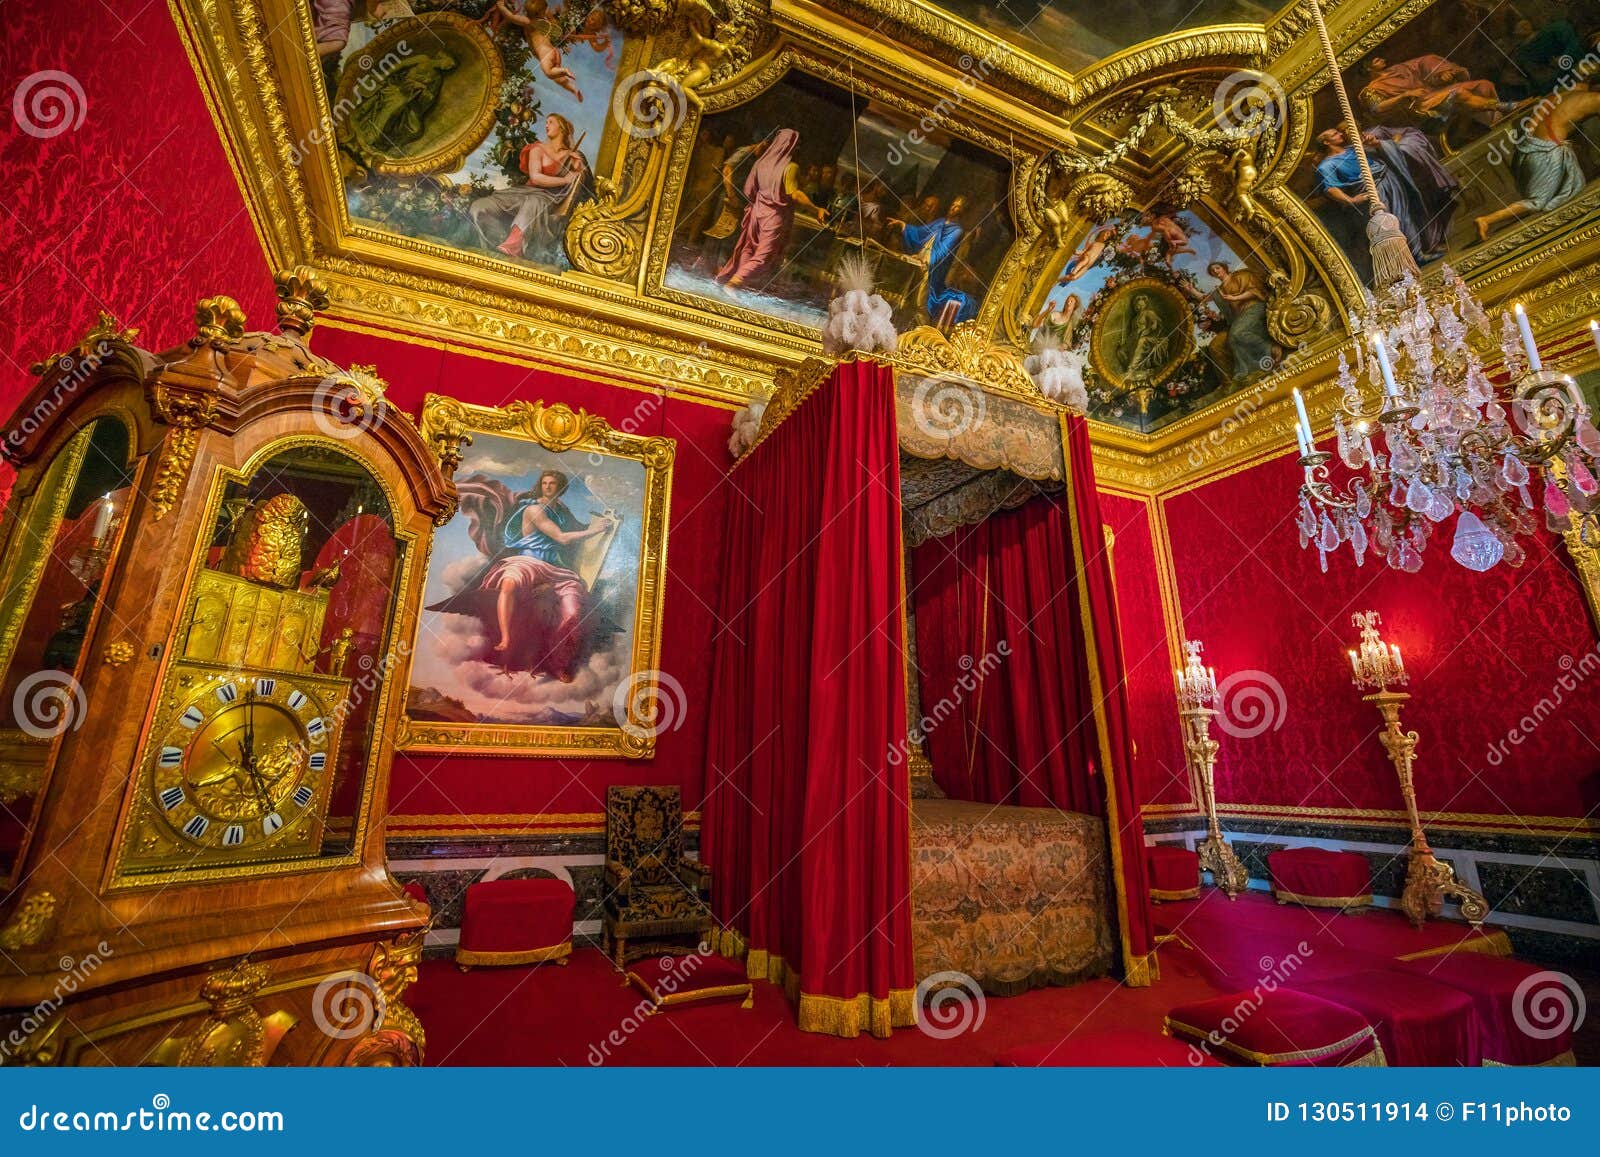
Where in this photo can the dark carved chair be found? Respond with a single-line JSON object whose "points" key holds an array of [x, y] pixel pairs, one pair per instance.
{"points": [[653, 892]]}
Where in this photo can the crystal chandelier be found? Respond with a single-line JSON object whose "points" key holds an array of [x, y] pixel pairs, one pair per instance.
{"points": [[1428, 435]]}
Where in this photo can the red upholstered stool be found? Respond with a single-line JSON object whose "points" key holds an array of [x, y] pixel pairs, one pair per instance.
{"points": [[671, 980], [1116, 1048], [1524, 1014], [1174, 872], [516, 922], [1418, 1021], [1282, 1027], [1319, 878]]}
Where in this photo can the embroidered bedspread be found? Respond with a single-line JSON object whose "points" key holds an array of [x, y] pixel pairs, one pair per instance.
{"points": [[1014, 897]]}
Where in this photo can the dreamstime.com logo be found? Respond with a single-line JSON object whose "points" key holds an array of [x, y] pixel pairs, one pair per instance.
{"points": [[1548, 1004], [648, 105], [648, 703], [676, 972], [347, 1005], [1245, 99], [952, 1003], [49, 103], [1250, 703], [1274, 973], [342, 409], [947, 408], [48, 703], [73, 973]]}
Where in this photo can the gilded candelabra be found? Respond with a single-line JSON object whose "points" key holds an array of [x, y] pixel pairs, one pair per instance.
{"points": [[1431, 436], [1428, 879], [1197, 689]]}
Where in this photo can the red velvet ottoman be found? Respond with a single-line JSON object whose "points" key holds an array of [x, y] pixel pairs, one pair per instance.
{"points": [[1524, 1013], [1319, 878], [516, 922], [1419, 1021], [671, 980], [1281, 1027], [1116, 1048], [1174, 872]]}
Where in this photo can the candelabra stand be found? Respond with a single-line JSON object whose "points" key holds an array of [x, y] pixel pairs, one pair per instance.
{"points": [[1197, 686], [1428, 879], [1216, 856]]}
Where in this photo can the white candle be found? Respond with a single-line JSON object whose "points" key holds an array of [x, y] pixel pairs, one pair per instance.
{"points": [[1300, 408], [1534, 363], [102, 519], [1301, 439], [1594, 332], [1388, 370]]}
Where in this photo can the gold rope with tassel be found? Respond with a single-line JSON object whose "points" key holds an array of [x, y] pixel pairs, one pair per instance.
{"points": [[1391, 253]]}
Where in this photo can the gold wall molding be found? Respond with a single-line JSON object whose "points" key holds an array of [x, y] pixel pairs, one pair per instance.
{"points": [[612, 349]]}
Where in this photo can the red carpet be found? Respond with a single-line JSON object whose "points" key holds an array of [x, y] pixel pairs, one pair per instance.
{"points": [[583, 1014]]}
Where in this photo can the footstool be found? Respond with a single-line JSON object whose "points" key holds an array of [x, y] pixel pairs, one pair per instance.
{"points": [[1418, 1020], [672, 980], [1524, 1013], [1174, 872], [1281, 1027], [1120, 1048], [1319, 878], [516, 922]]}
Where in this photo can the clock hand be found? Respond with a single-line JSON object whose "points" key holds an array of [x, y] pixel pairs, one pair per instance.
{"points": [[249, 751]]}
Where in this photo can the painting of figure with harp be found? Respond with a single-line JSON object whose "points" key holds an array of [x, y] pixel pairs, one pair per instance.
{"points": [[531, 611]]}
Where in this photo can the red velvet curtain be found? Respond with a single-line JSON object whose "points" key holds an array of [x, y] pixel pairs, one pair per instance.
{"points": [[1024, 699], [807, 824]]}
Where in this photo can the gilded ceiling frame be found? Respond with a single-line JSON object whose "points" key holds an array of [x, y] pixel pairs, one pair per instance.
{"points": [[257, 72]]}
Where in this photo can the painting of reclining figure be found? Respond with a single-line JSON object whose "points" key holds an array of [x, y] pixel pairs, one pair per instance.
{"points": [[1477, 120]]}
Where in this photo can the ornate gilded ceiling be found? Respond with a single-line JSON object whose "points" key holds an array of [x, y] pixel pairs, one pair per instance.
{"points": [[665, 191], [1075, 36]]}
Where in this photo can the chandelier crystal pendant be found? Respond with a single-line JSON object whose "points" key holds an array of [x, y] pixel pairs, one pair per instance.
{"points": [[1427, 434]]}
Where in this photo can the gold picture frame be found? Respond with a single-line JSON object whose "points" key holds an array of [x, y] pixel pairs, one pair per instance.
{"points": [[560, 430], [1169, 319], [466, 72]]}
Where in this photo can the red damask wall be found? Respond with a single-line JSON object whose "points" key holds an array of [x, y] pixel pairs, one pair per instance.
{"points": [[1158, 765], [118, 194], [120, 197], [1483, 651], [425, 785]]}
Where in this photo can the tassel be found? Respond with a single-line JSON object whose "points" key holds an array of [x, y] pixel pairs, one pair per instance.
{"points": [[1391, 255]]}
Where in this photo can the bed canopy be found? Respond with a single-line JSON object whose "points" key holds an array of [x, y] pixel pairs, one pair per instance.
{"points": [[929, 502]]}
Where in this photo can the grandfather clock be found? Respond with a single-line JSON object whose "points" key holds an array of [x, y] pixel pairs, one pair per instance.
{"points": [[211, 561]]}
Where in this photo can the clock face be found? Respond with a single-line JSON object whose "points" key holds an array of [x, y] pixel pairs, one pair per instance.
{"points": [[239, 766]]}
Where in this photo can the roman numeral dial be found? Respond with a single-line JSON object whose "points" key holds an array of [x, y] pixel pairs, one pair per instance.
{"points": [[239, 767]]}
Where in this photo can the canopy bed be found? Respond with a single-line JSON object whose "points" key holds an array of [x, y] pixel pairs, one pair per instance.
{"points": [[919, 540]]}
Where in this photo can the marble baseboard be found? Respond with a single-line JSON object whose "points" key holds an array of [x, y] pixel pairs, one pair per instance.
{"points": [[1543, 890], [446, 868]]}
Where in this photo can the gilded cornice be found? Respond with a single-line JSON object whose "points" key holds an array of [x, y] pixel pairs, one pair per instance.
{"points": [[256, 62], [682, 366], [1300, 66]]}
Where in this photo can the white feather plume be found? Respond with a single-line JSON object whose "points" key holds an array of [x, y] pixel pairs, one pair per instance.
{"points": [[746, 425], [1058, 372], [858, 319]]}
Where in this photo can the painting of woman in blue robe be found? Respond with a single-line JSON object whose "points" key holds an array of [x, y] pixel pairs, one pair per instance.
{"points": [[528, 594]]}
